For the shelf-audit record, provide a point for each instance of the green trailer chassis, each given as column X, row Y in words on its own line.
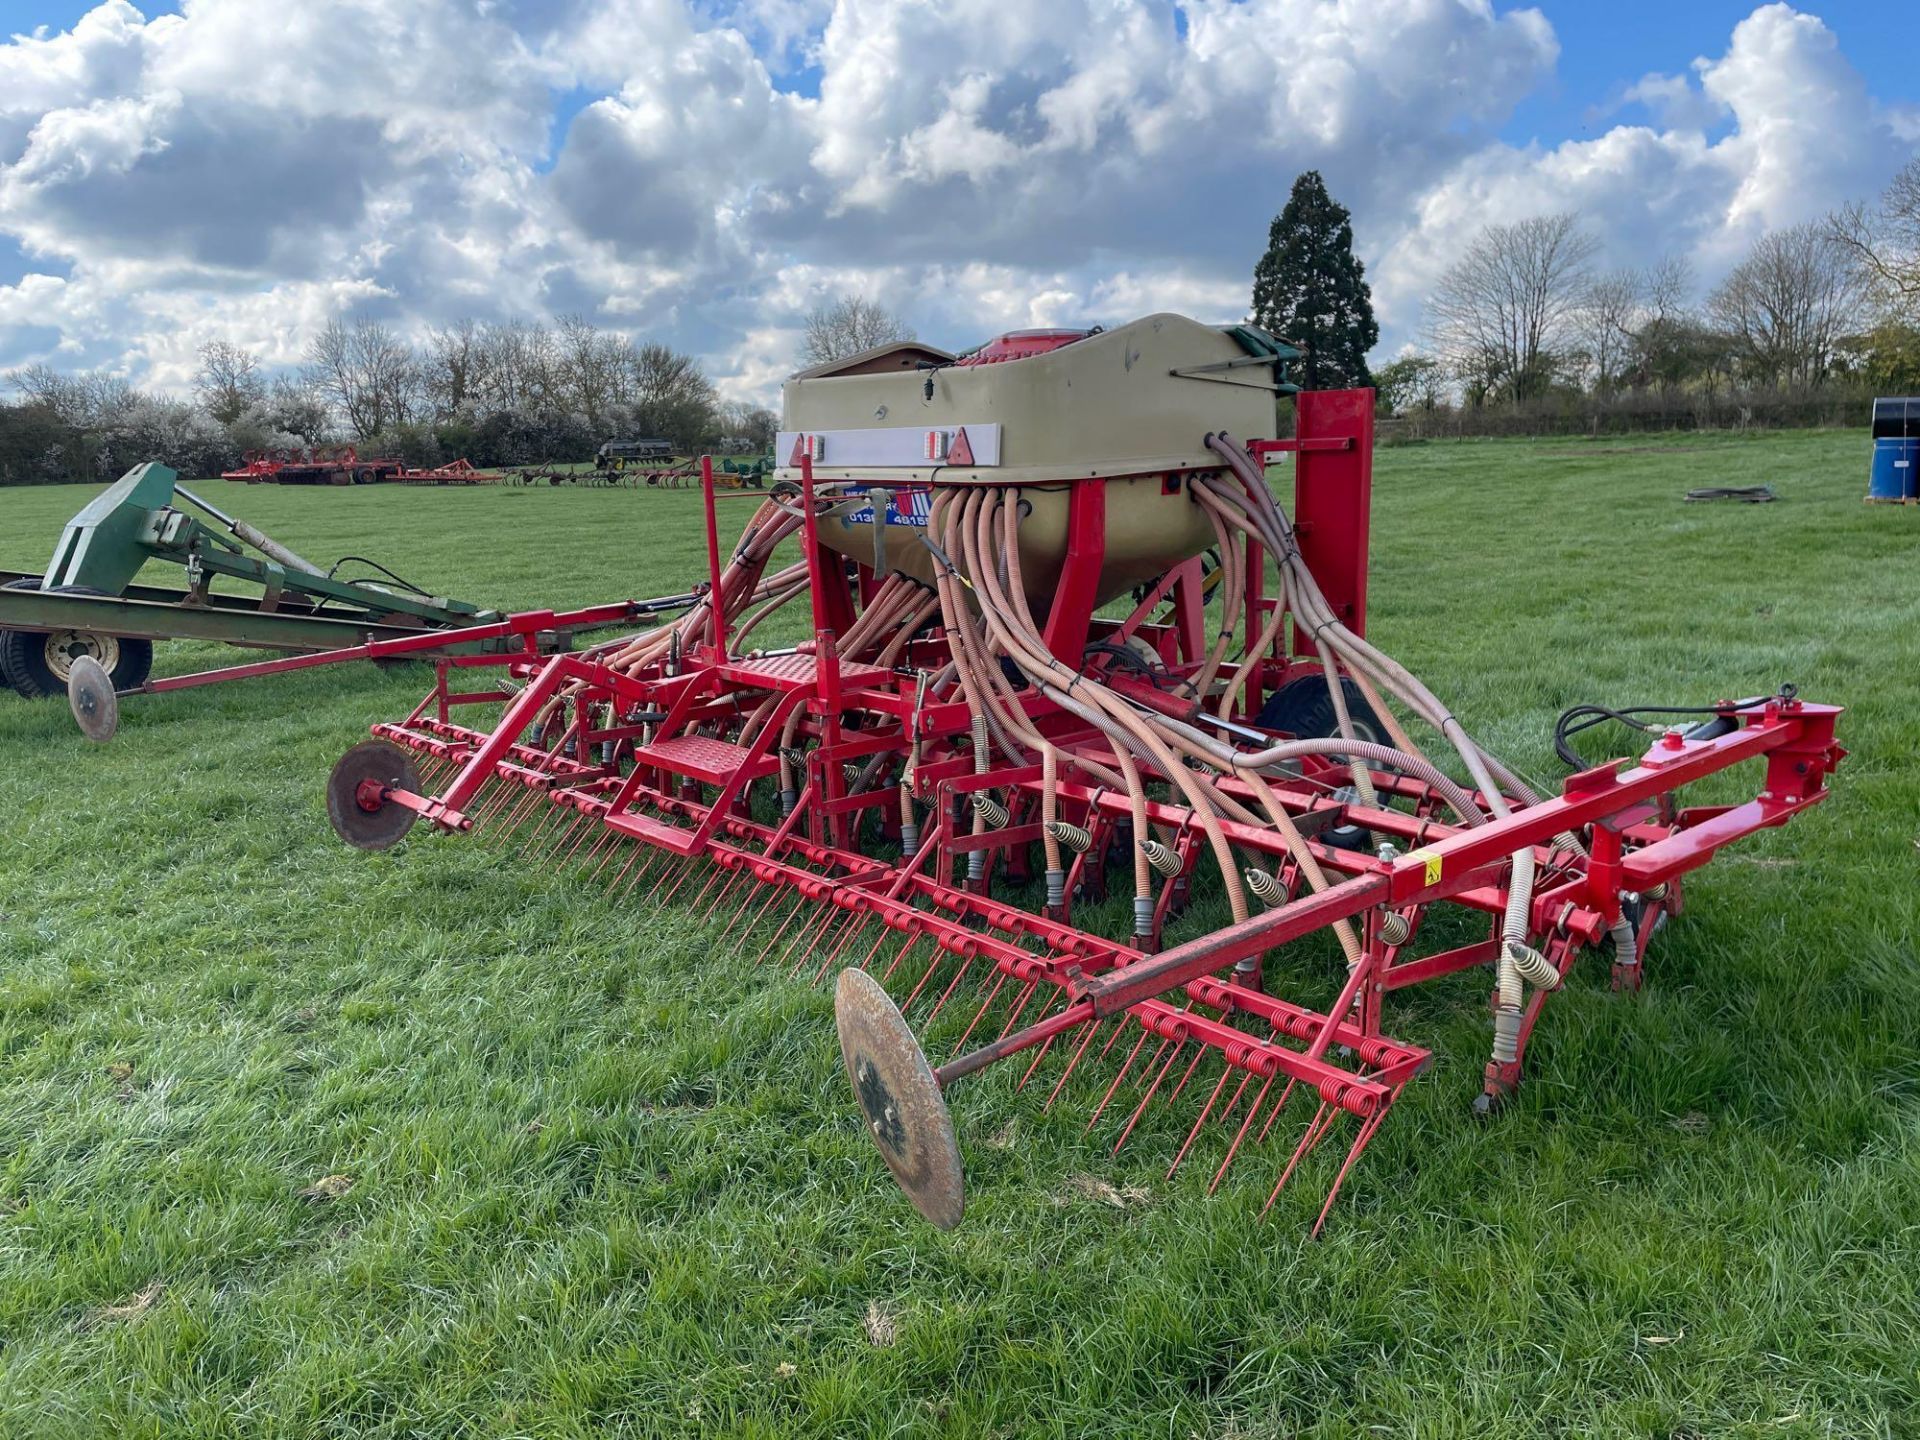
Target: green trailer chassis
column 86, row 613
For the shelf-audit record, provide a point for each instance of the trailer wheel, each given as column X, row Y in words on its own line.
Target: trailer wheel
column 1303, row 708
column 40, row 665
column 26, row 582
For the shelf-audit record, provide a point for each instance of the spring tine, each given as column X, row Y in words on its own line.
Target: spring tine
column 639, row 863
column 1316, row 1127
column 649, row 866
column 1285, row 1093
column 939, row 959
column 593, row 849
column 1132, row 1055
column 687, row 872
column 913, row 939
column 719, row 873
column 613, row 881
column 1018, row 1006
column 1147, row 1099
column 1241, row 1134
column 813, row 925
column 604, row 849
column 499, row 792
column 999, row 979
column 776, row 897
column 720, row 901
column 800, row 909
column 856, row 931
column 1333, row 1117
column 1045, row 1046
column 572, row 833
column 557, row 840
column 522, row 808
column 847, row 934
column 879, row 940
column 819, row 939
column 549, row 841
column 1059, row 1084
column 1206, row 1110
column 1360, row 1143
column 611, row 851
column 593, row 829
column 1038, row 1055
column 1188, row 1075
column 1233, row 1100
column 1118, row 1031
column 807, row 935
column 853, row 924
column 532, row 841
column 741, row 922
column 966, row 964
column 514, row 816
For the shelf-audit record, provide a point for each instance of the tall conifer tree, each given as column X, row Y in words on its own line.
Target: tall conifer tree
column 1310, row 289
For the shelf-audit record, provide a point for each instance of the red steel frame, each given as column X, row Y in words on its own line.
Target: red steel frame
column 651, row 758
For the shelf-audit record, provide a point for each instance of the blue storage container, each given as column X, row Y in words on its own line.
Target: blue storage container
column 1896, row 450
column 1896, row 464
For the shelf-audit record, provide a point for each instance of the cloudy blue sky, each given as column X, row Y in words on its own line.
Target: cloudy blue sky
column 705, row 171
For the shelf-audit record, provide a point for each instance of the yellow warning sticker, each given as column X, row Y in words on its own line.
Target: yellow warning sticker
column 1432, row 860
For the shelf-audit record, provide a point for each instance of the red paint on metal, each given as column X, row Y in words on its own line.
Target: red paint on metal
column 679, row 780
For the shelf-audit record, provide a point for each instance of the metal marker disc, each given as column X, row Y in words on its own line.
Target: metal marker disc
column 371, row 829
column 900, row 1101
column 96, row 709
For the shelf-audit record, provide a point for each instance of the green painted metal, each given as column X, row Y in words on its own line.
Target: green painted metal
column 104, row 546
column 151, row 619
column 133, row 521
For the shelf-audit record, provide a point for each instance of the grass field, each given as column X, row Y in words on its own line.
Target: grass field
column 606, row 1177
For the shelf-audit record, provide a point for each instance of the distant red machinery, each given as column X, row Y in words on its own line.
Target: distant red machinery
column 1036, row 751
column 456, row 472
column 342, row 465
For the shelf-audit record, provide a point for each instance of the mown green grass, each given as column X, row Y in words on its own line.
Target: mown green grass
column 607, row 1178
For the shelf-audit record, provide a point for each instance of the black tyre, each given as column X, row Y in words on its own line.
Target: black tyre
column 1303, row 708
column 6, row 636
column 39, row 665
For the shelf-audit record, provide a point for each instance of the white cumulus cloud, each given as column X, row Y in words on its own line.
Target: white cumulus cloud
column 704, row 171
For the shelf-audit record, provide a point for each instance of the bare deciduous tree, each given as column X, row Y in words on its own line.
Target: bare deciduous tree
column 1504, row 315
column 522, row 367
column 229, row 380
column 597, row 367
column 672, row 396
column 454, row 368
column 1884, row 240
column 753, row 425
column 368, row 372
column 1787, row 306
column 847, row 326
column 297, row 408
column 1608, row 316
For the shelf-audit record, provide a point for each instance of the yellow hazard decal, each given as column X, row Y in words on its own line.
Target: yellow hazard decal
column 1431, row 858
